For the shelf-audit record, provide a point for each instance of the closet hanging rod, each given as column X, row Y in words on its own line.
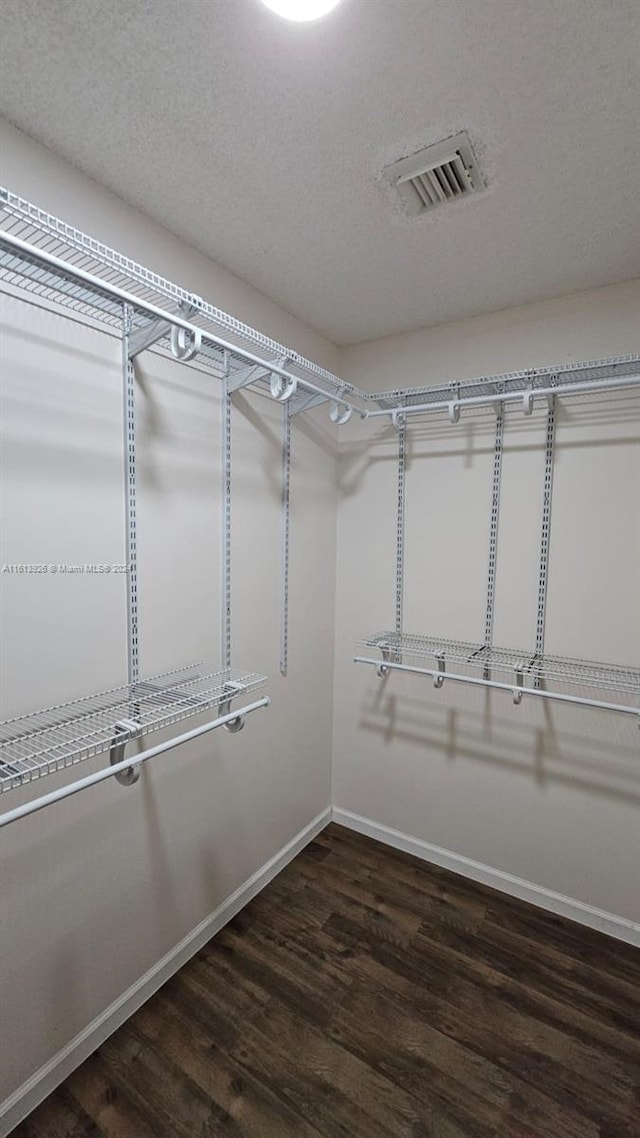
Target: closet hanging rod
column 128, row 764
column 8, row 240
column 524, row 397
column 517, row 690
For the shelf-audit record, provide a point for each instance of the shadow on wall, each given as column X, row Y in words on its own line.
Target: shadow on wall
column 542, row 751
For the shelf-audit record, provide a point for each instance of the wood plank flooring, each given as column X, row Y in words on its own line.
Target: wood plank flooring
column 365, row 994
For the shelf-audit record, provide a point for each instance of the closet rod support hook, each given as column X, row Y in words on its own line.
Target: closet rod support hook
column 340, row 415
column 127, row 729
column 185, row 344
column 282, row 389
column 233, row 725
column 517, row 694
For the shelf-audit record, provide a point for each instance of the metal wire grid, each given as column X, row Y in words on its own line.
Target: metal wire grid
column 557, row 669
column 37, row 744
column 19, row 270
column 610, row 368
column 41, row 229
column 48, row 233
column 26, row 273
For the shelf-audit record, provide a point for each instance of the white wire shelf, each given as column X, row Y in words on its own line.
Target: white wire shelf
column 51, row 236
column 591, row 372
column 506, row 661
column 47, row 233
column 42, row 742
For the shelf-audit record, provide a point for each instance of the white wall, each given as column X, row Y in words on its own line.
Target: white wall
column 581, row 326
column 543, row 792
column 97, row 889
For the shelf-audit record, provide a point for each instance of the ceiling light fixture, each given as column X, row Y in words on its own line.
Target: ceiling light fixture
column 301, row 10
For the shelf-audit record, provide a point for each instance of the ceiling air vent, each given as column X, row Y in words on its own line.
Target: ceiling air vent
column 439, row 174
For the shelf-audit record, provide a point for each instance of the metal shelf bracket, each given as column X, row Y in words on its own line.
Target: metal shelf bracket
column 297, row 406
column 382, row 669
column 130, row 730
column 231, row 690
column 517, row 691
column 143, row 338
column 245, row 376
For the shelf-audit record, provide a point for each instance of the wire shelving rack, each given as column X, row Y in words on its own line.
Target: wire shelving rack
column 476, row 657
column 41, row 743
column 47, row 258
column 231, row 348
column 238, row 344
column 572, row 379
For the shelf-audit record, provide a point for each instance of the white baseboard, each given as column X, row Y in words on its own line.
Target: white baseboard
column 27, row 1097
column 578, row 911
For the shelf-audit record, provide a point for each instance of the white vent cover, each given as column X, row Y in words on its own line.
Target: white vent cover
column 439, row 174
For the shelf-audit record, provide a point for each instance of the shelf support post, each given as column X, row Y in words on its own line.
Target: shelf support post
column 286, row 527
column 493, row 529
column 545, row 533
column 400, row 526
column 131, row 525
column 226, row 520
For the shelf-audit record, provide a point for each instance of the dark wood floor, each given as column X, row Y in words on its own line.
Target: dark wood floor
column 365, row 994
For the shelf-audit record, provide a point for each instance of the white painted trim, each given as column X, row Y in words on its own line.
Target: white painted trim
column 583, row 914
column 32, row 1092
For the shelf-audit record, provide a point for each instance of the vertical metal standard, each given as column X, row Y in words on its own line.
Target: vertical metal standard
column 545, row 531
column 493, row 529
column 226, row 525
column 286, row 523
column 131, row 529
column 402, row 467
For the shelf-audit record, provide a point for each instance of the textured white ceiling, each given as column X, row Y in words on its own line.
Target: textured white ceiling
column 261, row 142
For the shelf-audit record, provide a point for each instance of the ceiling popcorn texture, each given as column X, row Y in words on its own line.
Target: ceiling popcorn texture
column 263, row 142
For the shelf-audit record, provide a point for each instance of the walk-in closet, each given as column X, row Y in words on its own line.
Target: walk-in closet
column 319, row 569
